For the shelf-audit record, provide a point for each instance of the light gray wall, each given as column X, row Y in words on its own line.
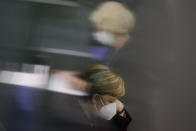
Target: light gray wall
column 158, row 66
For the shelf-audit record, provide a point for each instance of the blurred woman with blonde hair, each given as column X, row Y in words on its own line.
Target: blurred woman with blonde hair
column 112, row 23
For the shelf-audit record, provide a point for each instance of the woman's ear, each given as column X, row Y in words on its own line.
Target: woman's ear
column 95, row 98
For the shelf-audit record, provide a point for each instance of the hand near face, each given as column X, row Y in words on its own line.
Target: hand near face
column 119, row 105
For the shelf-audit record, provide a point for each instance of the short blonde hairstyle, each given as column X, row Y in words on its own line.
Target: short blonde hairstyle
column 113, row 17
column 104, row 81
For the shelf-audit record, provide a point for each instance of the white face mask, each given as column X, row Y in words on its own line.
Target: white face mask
column 104, row 38
column 108, row 111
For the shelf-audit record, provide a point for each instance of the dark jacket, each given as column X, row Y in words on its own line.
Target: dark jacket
column 120, row 122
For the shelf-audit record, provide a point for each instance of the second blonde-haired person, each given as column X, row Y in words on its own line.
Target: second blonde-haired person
column 112, row 23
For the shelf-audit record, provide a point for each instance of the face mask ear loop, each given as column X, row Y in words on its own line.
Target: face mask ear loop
column 101, row 100
column 95, row 105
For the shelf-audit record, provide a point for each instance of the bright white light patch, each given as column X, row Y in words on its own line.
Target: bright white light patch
column 23, row 79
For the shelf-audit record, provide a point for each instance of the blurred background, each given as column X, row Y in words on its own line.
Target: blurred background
column 158, row 63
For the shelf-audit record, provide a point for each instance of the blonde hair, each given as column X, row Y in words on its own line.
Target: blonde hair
column 113, row 17
column 104, row 81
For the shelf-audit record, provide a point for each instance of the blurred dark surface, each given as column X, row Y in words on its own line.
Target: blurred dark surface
column 29, row 26
column 25, row 108
column 158, row 64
